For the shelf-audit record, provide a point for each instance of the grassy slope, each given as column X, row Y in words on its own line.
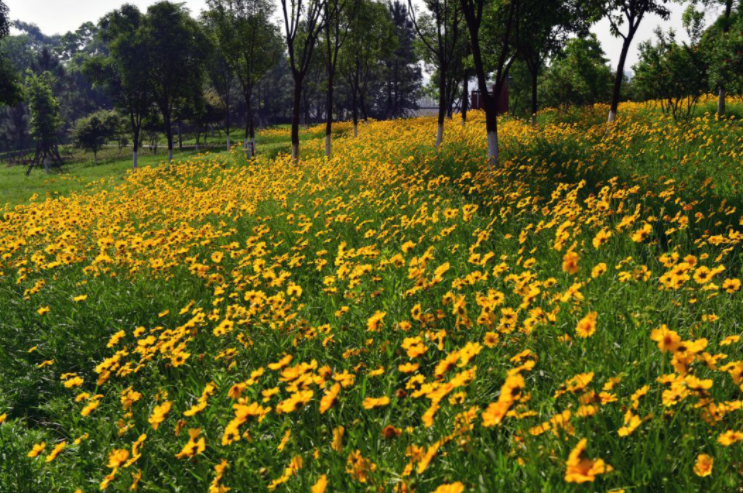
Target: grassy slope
column 386, row 189
column 17, row 188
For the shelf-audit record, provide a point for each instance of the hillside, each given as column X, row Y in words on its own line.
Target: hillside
column 395, row 318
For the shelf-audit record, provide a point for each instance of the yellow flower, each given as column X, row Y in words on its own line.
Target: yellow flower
column 159, row 413
column 37, row 449
column 587, row 325
column 570, row 262
column 194, row 446
column 457, row 487
column 80, row 298
column 56, row 451
column 375, row 402
column 217, row 257
column 703, row 466
column 581, row 469
column 372, row 325
column 43, row 310
column 729, row 437
column 668, row 340
column 320, row 485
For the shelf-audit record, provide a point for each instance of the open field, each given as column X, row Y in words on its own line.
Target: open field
column 396, row 318
column 81, row 173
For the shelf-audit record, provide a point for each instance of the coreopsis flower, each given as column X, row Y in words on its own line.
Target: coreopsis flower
column 457, row 487
column 668, row 340
column 195, row 445
column 37, row 449
column 587, row 325
column 56, row 451
column 159, row 413
column 729, row 438
column 580, row 468
column 570, row 262
column 320, row 485
column 375, row 402
column 703, row 466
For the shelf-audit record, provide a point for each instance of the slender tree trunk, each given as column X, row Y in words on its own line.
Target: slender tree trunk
column 46, row 162
column 227, row 127
column 465, row 98
column 491, row 128
column 329, row 116
column 180, row 137
column 95, row 158
column 135, row 164
column 616, row 93
column 296, row 116
column 442, row 105
column 721, row 103
column 169, row 135
column 249, row 145
column 534, row 101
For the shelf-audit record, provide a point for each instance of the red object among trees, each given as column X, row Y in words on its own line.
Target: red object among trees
column 476, row 102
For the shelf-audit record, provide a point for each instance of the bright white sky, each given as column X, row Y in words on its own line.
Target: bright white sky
column 60, row 16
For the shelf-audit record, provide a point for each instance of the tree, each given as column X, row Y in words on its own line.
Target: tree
column 93, row 131
column 338, row 18
column 544, row 32
column 10, row 87
column 176, row 51
column 632, row 12
column 439, row 33
column 251, row 45
column 121, row 72
column 717, row 38
column 673, row 73
column 402, row 73
column 501, row 29
column 45, row 120
column 579, row 75
column 371, row 39
column 303, row 22
column 221, row 73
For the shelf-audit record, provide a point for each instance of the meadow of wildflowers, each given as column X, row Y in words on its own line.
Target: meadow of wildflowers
column 395, row 318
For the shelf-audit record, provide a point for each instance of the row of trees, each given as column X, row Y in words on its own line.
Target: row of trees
column 164, row 69
column 163, row 66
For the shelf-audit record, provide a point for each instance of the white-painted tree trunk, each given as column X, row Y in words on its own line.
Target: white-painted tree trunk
column 248, row 150
column 612, row 116
column 493, row 148
column 533, row 120
column 229, row 143
column 439, row 134
column 721, row 103
column 328, row 146
column 46, row 163
column 355, row 129
column 134, row 160
column 295, row 152
column 170, row 155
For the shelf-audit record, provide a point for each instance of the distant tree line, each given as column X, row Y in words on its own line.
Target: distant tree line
column 137, row 75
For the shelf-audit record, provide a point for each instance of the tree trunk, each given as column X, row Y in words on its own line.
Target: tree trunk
column 227, row 127
column 465, row 98
column 295, row 117
column 329, row 116
column 534, row 101
column 249, row 145
column 169, row 135
column 95, row 158
column 721, row 103
column 491, row 127
column 442, row 105
column 616, row 93
column 180, row 137
column 46, row 162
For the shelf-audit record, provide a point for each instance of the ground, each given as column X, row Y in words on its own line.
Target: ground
column 396, row 318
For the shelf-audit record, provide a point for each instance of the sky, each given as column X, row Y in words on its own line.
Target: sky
column 60, row 16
